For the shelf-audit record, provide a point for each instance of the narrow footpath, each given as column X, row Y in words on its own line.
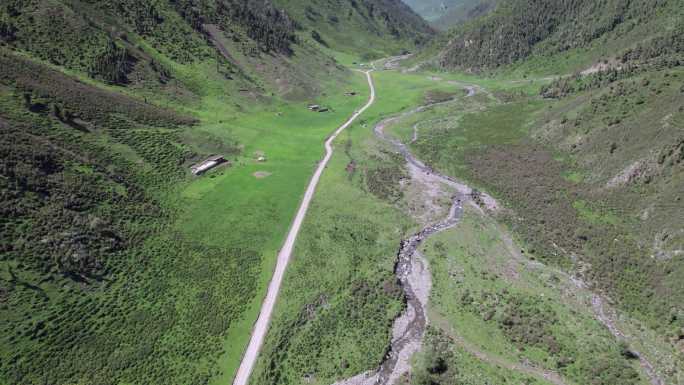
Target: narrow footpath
column 261, row 325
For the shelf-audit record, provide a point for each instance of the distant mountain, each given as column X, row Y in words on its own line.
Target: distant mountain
column 432, row 10
column 443, row 14
column 464, row 11
column 359, row 26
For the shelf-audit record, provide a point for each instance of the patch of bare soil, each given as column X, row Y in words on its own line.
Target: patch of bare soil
column 261, row 174
column 640, row 170
column 427, row 200
column 602, row 66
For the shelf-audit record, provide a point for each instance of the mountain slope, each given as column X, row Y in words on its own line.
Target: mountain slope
column 372, row 28
column 432, row 10
column 590, row 165
column 110, row 248
column 463, row 13
column 448, row 13
column 554, row 28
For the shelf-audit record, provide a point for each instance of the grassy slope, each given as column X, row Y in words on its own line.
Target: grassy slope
column 257, row 212
column 205, row 278
column 369, row 29
column 557, row 38
column 177, row 301
column 185, row 274
column 606, row 211
column 516, row 311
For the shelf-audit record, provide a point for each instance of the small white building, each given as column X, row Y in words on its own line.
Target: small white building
column 207, row 164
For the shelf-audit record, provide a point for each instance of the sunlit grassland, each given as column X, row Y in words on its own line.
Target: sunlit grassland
column 503, row 82
column 230, row 207
column 467, row 127
column 398, row 92
column 440, row 352
column 338, row 299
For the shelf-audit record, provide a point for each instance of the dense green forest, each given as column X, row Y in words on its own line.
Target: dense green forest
column 554, row 28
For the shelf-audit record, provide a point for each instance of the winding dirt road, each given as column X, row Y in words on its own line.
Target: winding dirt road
column 261, row 325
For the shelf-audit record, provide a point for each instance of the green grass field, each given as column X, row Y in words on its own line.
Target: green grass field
column 190, row 288
column 232, row 207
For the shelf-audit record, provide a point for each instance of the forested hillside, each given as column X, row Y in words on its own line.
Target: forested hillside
column 108, row 39
column 520, row 29
column 104, row 105
column 93, row 36
column 369, row 27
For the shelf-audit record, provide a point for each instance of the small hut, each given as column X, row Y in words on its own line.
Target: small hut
column 207, row 164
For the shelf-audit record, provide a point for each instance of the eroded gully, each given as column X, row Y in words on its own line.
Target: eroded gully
column 411, row 268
